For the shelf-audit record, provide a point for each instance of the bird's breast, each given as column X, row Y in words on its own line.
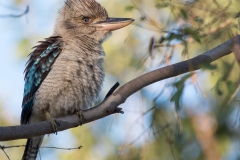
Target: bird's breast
column 73, row 84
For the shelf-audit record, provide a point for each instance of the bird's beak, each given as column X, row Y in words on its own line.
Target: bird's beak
column 111, row 24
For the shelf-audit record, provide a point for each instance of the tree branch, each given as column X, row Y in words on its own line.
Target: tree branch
column 110, row 105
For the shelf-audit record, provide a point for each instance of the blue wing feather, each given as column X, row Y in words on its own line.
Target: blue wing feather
column 26, row 111
column 38, row 67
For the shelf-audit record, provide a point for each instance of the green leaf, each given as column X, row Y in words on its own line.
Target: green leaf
column 179, row 85
column 184, row 13
column 129, row 8
column 198, row 20
column 227, row 67
column 195, row 36
column 193, row 33
column 172, row 36
column 176, row 99
column 162, row 39
column 231, row 87
column 185, row 50
column 162, row 5
column 219, row 91
column 209, row 66
column 188, row 30
column 218, row 87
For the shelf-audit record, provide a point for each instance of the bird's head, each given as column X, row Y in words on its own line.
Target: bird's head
column 87, row 17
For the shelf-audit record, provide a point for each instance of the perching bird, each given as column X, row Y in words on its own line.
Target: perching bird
column 64, row 73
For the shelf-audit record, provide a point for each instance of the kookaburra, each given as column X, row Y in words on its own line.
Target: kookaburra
column 64, row 73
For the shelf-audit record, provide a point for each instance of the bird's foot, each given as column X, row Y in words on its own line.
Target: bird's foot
column 53, row 122
column 81, row 117
column 119, row 110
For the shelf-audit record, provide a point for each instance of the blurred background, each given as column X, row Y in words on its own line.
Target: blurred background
column 194, row 116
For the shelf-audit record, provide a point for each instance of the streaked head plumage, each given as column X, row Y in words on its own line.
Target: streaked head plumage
column 76, row 17
column 89, row 8
column 87, row 17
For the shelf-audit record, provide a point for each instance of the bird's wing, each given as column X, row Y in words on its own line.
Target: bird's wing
column 38, row 67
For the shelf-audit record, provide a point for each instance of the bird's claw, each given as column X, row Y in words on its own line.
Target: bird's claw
column 53, row 122
column 119, row 110
column 81, row 117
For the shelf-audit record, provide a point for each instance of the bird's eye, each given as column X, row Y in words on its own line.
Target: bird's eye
column 86, row 19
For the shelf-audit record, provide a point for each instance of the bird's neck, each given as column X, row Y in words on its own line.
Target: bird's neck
column 82, row 48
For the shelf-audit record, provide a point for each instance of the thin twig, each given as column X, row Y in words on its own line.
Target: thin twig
column 6, row 154
column 76, row 148
column 16, row 15
column 7, row 147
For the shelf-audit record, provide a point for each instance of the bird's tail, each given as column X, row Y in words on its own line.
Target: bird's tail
column 32, row 147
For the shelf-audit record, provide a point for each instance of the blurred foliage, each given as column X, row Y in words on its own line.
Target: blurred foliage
column 179, row 86
column 24, row 47
column 196, row 115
